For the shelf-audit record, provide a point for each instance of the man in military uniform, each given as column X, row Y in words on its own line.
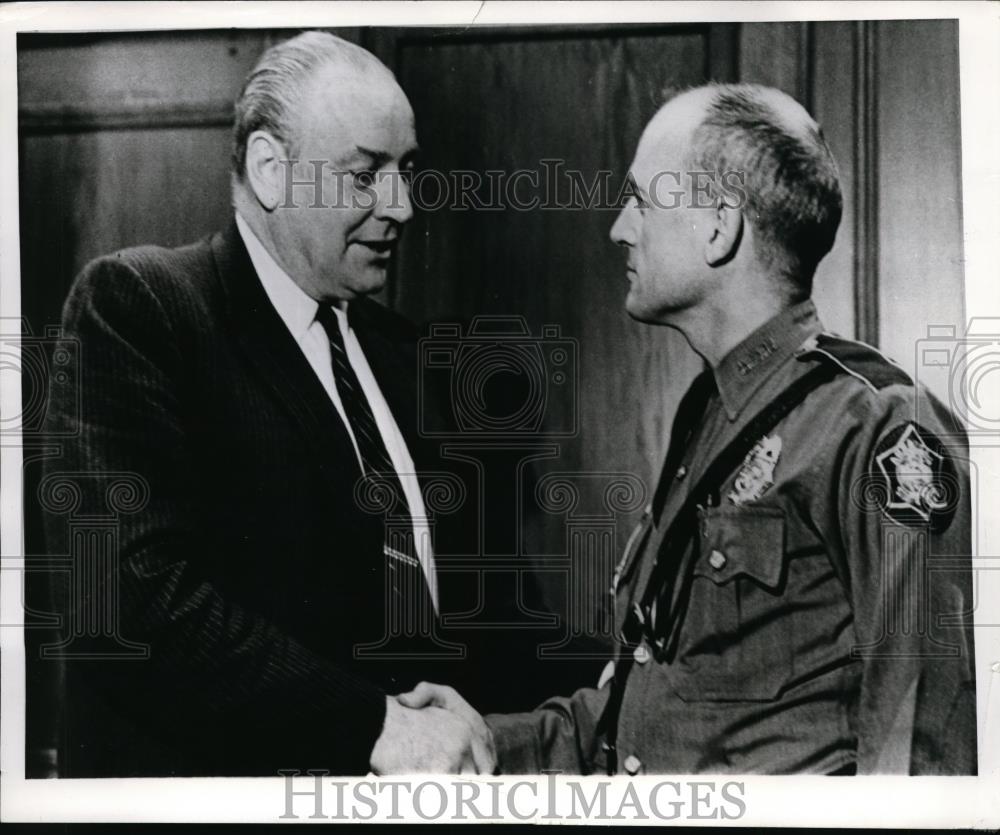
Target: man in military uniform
column 797, row 598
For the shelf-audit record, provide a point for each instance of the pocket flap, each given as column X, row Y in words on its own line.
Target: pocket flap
column 742, row 541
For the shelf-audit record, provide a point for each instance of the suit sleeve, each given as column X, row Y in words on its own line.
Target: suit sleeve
column 560, row 735
column 904, row 509
column 216, row 673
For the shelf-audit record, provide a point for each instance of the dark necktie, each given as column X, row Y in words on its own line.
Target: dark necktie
column 690, row 413
column 689, row 417
column 410, row 609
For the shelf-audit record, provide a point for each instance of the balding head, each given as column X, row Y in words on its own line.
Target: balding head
column 734, row 200
column 673, row 126
column 789, row 176
column 289, row 75
column 776, row 152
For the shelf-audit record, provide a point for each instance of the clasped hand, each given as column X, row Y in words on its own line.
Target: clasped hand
column 432, row 729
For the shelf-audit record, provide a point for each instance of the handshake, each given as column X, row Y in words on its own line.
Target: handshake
column 432, row 729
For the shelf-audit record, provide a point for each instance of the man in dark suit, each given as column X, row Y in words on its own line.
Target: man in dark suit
column 262, row 412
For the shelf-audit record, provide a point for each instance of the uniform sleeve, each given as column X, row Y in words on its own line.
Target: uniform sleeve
column 904, row 508
column 560, row 735
column 217, row 674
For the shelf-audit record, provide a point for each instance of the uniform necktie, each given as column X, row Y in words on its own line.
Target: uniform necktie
column 690, row 413
column 410, row 609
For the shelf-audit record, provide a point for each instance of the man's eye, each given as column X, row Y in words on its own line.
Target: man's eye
column 364, row 179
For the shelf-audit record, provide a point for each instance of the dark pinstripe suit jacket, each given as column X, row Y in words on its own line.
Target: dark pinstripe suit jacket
column 247, row 569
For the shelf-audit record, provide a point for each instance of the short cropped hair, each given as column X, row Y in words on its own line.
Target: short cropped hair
column 273, row 90
column 791, row 181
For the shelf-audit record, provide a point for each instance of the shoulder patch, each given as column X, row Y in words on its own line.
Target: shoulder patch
column 914, row 479
column 859, row 360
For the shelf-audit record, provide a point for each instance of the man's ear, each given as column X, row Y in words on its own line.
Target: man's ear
column 726, row 235
column 264, row 169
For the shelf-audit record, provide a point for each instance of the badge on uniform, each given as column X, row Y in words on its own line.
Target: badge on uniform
column 918, row 485
column 757, row 472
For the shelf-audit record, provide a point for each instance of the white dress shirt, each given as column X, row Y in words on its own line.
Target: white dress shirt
column 298, row 311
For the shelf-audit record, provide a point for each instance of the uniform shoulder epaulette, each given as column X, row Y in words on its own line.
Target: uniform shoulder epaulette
column 861, row 361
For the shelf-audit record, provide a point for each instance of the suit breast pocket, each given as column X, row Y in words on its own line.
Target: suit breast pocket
column 736, row 642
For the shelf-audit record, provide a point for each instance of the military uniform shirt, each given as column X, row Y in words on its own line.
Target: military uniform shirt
column 827, row 621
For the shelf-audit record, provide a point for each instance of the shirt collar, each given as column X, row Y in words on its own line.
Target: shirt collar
column 296, row 308
column 745, row 368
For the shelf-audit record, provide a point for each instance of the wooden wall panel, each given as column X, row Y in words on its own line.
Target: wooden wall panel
column 124, row 140
column 833, row 107
column 583, row 101
column 87, row 194
column 921, row 268
column 65, row 79
column 778, row 55
column 886, row 95
column 814, row 63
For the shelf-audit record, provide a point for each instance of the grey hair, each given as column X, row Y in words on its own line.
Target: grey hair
column 276, row 84
column 791, row 182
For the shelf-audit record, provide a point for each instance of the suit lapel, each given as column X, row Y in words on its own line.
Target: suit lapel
column 273, row 352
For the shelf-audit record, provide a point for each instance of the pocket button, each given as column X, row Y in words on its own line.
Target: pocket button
column 717, row 560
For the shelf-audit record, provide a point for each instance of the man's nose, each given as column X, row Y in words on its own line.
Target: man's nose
column 394, row 198
column 621, row 232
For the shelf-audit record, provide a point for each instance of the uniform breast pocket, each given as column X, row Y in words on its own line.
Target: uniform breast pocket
column 735, row 642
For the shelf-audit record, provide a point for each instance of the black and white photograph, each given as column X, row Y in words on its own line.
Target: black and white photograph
column 477, row 401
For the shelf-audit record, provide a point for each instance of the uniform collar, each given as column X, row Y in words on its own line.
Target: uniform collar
column 744, row 369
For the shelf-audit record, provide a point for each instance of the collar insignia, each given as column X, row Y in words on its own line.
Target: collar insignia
column 756, row 355
column 757, row 472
